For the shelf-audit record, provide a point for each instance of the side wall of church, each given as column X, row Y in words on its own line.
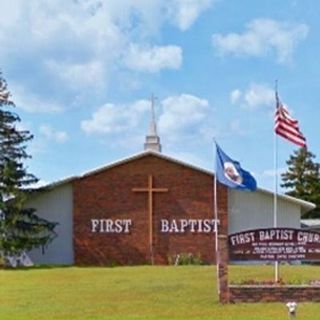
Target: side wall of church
column 107, row 196
column 55, row 205
column 254, row 210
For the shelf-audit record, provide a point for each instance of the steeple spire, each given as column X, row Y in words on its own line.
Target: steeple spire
column 152, row 139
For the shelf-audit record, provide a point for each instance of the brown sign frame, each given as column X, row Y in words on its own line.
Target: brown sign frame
column 274, row 244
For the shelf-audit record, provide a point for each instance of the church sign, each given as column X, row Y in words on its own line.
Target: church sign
column 274, row 244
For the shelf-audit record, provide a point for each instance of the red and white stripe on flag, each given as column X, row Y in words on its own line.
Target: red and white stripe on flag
column 287, row 127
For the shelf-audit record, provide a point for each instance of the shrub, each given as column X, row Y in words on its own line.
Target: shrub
column 182, row 259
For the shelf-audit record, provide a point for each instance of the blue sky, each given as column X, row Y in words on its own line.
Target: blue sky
column 81, row 73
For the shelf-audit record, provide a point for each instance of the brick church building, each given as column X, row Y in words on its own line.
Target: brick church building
column 148, row 209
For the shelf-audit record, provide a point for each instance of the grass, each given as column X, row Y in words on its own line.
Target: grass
column 145, row 292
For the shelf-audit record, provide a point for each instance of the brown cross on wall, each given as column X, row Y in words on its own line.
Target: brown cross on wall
column 150, row 190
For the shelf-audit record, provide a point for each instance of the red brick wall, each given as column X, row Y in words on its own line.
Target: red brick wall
column 108, row 195
column 274, row 294
column 223, row 284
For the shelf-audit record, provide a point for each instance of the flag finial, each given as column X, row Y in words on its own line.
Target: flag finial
column 276, row 93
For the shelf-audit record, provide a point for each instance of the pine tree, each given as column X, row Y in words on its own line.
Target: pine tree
column 303, row 179
column 20, row 228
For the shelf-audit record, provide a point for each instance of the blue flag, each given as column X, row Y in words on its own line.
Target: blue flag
column 230, row 173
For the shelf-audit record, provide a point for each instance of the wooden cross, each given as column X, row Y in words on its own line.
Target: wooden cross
column 150, row 189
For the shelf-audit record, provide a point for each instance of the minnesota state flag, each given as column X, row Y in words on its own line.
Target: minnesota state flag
column 230, row 173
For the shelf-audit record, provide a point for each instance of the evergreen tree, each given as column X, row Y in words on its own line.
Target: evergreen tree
column 303, row 179
column 20, row 228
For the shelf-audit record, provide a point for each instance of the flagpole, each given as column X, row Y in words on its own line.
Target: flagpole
column 230, row 174
column 216, row 232
column 275, row 199
column 215, row 201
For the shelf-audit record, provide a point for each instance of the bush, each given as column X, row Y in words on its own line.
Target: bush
column 2, row 262
column 183, row 259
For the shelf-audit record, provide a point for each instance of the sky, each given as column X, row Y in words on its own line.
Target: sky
column 81, row 73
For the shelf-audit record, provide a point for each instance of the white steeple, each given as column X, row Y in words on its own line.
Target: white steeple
column 152, row 139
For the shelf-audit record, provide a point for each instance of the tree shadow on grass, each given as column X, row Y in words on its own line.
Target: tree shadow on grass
column 37, row 267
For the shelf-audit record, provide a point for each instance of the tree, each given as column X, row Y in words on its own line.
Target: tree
column 20, row 228
column 303, row 179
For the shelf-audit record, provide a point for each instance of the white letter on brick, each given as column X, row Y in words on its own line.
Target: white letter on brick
column 164, row 225
column 94, row 225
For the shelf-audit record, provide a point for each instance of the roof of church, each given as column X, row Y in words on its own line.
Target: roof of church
column 310, row 223
column 305, row 204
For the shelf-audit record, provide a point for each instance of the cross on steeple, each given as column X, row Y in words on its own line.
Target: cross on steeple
column 153, row 101
column 152, row 139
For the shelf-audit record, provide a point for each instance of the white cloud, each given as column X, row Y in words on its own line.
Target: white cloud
column 181, row 118
column 53, row 135
column 12, row 10
column 183, row 114
column 273, row 172
column 235, row 95
column 259, row 95
column 71, row 47
column 237, row 128
column 256, row 96
column 261, row 37
column 78, row 75
column 185, row 12
column 111, row 118
column 153, row 59
column 32, row 103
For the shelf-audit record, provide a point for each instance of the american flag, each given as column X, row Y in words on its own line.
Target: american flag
column 286, row 126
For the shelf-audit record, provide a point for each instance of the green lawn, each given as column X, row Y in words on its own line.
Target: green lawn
column 138, row 293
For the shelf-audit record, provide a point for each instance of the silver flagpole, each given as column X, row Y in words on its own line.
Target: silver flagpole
column 275, row 199
column 216, row 231
column 215, row 200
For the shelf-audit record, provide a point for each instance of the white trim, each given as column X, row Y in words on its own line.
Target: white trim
column 141, row 155
column 311, row 223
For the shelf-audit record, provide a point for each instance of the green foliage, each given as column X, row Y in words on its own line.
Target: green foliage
column 302, row 179
column 183, row 259
column 20, row 228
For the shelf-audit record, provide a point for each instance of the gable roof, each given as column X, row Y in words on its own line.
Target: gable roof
column 124, row 161
column 305, row 205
